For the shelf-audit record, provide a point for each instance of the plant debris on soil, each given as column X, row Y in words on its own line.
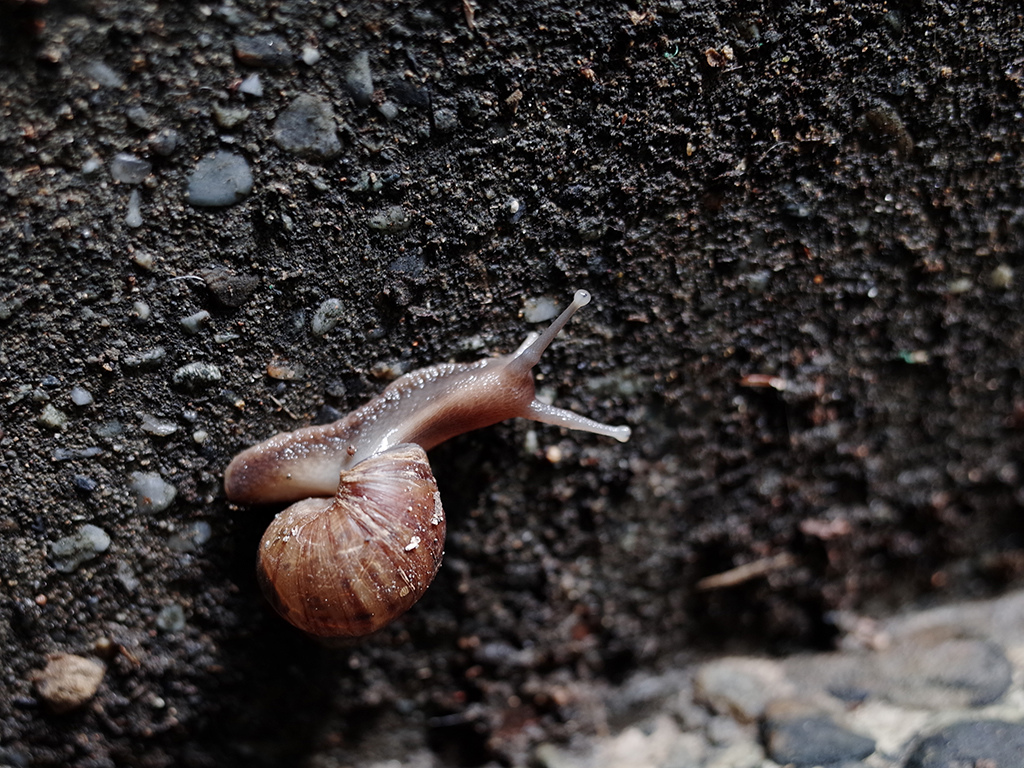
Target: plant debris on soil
column 803, row 227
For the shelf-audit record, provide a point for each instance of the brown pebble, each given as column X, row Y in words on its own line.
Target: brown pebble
column 268, row 51
column 283, row 370
column 888, row 127
column 68, row 681
column 230, row 288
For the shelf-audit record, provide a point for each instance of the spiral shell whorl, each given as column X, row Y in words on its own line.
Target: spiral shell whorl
column 374, row 548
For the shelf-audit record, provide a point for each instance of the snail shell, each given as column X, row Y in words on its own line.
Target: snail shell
column 347, row 566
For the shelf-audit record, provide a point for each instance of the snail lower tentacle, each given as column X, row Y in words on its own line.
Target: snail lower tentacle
column 365, row 536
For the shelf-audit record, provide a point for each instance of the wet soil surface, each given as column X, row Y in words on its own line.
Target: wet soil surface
column 803, row 225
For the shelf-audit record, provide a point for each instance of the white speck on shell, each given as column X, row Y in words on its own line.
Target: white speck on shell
column 413, row 543
column 438, row 516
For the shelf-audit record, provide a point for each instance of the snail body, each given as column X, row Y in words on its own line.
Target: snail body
column 365, row 537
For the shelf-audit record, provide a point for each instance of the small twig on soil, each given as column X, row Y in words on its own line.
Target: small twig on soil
column 285, row 408
column 746, row 572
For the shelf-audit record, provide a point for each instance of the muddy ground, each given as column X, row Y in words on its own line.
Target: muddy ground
column 803, row 225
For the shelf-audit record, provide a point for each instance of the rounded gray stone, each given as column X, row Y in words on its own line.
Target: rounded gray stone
column 972, row 743
column 129, row 169
column 327, row 316
column 219, row 180
column 393, row 219
column 307, row 128
column 445, row 120
column 164, row 142
column 171, row 618
column 71, row 551
column 813, row 740
column 152, row 493
column 196, row 376
column 359, row 79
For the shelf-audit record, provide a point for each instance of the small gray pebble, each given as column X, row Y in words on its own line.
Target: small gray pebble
column 336, row 389
column 268, row 51
column 813, row 740
column 445, row 120
column 150, row 358
column 123, row 573
column 171, row 618
column 196, row 376
column 230, row 14
column 157, row 427
column 190, row 537
column 144, row 259
column 1001, row 277
column 108, row 429
column 84, row 483
column 71, row 551
column 230, row 117
column 53, row 418
column 962, row 285
column 141, row 118
column 307, row 128
column 388, row 110
column 394, row 219
column 194, row 322
column 948, row 673
column 219, row 180
column 64, row 454
column 152, row 492
column 538, row 309
column 133, row 218
column 367, row 182
column 327, row 316
column 164, row 142
column 310, row 55
column 758, row 281
column 251, row 86
column 129, row 169
column 81, row 397
column 972, row 743
column 359, row 79
column 101, row 73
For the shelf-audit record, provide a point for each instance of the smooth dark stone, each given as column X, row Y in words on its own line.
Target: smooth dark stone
column 813, row 740
column 993, row 743
column 268, row 51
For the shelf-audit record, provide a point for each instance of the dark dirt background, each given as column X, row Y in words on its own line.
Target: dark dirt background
column 829, row 193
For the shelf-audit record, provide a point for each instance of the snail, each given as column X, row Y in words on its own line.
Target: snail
column 365, row 536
